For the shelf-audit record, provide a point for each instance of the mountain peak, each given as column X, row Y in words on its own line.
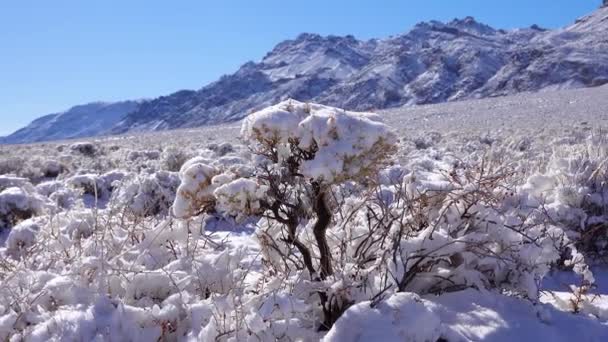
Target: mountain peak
column 456, row 26
column 466, row 21
column 308, row 37
column 471, row 25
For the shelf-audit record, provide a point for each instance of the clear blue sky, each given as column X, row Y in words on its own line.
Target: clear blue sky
column 55, row 54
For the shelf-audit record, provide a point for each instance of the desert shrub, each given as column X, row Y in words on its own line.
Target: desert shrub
column 87, row 149
column 221, row 149
column 13, row 181
column 18, row 201
column 20, row 238
column 148, row 195
column 97, row 188
column 61, row 195
column 173, row 158
column 11, row 165
column 426, row 141
column 52, row 168
column 573, row 192
column 334, row 213
column 347, row 236
column 144, row 155
column 40, row 169
column 195, row 193
column 303, row 151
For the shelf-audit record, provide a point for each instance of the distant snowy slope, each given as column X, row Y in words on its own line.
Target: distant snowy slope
column 79, row 121
column 434, row 62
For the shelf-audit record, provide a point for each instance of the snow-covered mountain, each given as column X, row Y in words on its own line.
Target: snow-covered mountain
column 79, row 121
column 434, row 62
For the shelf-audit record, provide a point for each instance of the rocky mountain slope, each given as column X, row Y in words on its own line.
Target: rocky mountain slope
column 79, row 121
column 433, row 62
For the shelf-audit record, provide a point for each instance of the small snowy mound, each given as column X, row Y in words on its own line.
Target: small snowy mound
column 85, row 148
column 21, row 237
column 10, row 181
column 240, row 198
column 143, row 155
column 149, row 195
column 97, row 187
column 462, row 316
column 173, row 158
column 402, row 317
column 18, row 204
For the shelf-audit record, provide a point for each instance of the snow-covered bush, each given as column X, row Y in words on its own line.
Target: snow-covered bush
column 149, row 195
column 195, row 193
column 52, row 168
column 573, row 192
column 18, row 203
column 221, row 149
column 241, row 197
column 35, row 169
column 97, row 187
column 426, row 141
column 309, row 227
column 11, row 165
column 87, row 149
column 144, row 155
column 21, row 237
column 303, row 151
column 12, row 181
column 61, row 195
column 444, row 231
column 332, row 214
column 173, row 158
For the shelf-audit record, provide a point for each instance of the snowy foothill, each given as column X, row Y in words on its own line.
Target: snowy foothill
column 317, row 223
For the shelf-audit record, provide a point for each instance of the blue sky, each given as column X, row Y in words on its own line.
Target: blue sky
column 56, row 54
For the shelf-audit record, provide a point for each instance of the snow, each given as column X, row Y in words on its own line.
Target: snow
column 276, row 123
column 21, row 237
column 150, row 194
column 474, row 316
column 462, row 316
column 18, row 203
column 196, row 188
column 240, row 197
column 342, row 156
column 402, row 317
column 346, row 144
column 128, row 267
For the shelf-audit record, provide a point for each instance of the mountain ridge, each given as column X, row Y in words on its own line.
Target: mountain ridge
column 433, row 62
column 79, row 121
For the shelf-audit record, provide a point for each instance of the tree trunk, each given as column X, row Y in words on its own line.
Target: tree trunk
column 320, row 230
column 293, row 239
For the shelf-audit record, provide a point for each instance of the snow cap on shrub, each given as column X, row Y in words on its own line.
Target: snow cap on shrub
column 196, row 190
column 240, row 198
column 342, row 144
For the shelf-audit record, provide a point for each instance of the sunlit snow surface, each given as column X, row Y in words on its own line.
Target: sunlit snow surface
column 126, row 173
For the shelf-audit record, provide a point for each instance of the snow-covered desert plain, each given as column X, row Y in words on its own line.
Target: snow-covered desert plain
column 480, row 220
